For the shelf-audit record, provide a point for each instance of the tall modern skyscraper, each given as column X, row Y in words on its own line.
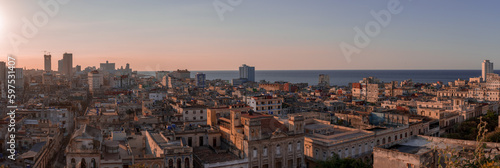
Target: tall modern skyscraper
column 110, row 67
column 68, row 64
column 47, row 62
column 487, row 68
column 247, row 72
column 3, row 71
column 60, row 66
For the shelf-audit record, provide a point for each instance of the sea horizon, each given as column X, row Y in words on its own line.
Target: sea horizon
column 342, row 77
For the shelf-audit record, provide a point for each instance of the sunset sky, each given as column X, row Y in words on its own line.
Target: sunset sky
column 270, row 35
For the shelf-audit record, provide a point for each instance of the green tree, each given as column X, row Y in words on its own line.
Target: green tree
column 336, row 162
column 453, row 158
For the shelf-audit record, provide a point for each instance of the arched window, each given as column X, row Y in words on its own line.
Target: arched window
column 378, row 142
column 83, row 163
column 73, row 163
column 290, row 147
column 254, row 152
column 389, row 140
column 298, row 146
column 186, row 163
column 170, row 163
column 93, row 164
column 383, row 141
column 179, row 162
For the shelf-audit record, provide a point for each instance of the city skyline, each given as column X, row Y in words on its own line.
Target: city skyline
column 191, row 35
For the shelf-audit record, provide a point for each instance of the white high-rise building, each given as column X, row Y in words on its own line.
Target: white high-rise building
column 487, row 68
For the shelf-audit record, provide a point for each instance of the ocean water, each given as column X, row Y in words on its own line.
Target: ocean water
column 343, row 77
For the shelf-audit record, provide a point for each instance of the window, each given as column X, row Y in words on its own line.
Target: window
column 265, row 151
column 201, row 118
column 201, row 111
column 194, row 112
column 186, row 118
column 278, row 150
column 298, row 146
column 194, row 118
column 187, row 112
column 290, row 147
column 254, row 152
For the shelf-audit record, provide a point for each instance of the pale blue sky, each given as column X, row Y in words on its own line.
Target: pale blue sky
column 294, row 34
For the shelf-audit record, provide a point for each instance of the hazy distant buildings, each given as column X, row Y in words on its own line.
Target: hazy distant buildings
column 47, row 78
column 96, row 80
column 200, row 80
column 487, row 68
column 60, row 66
column 247, row 72
column 67, row 66
column 181, row 74
column 161, row 74
column 47, row 62
column 19, row 78
column 3, row 86
column 109, row 67
column 3, row 71
column 78, row 68
column 238, row 81
column 324, row 80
